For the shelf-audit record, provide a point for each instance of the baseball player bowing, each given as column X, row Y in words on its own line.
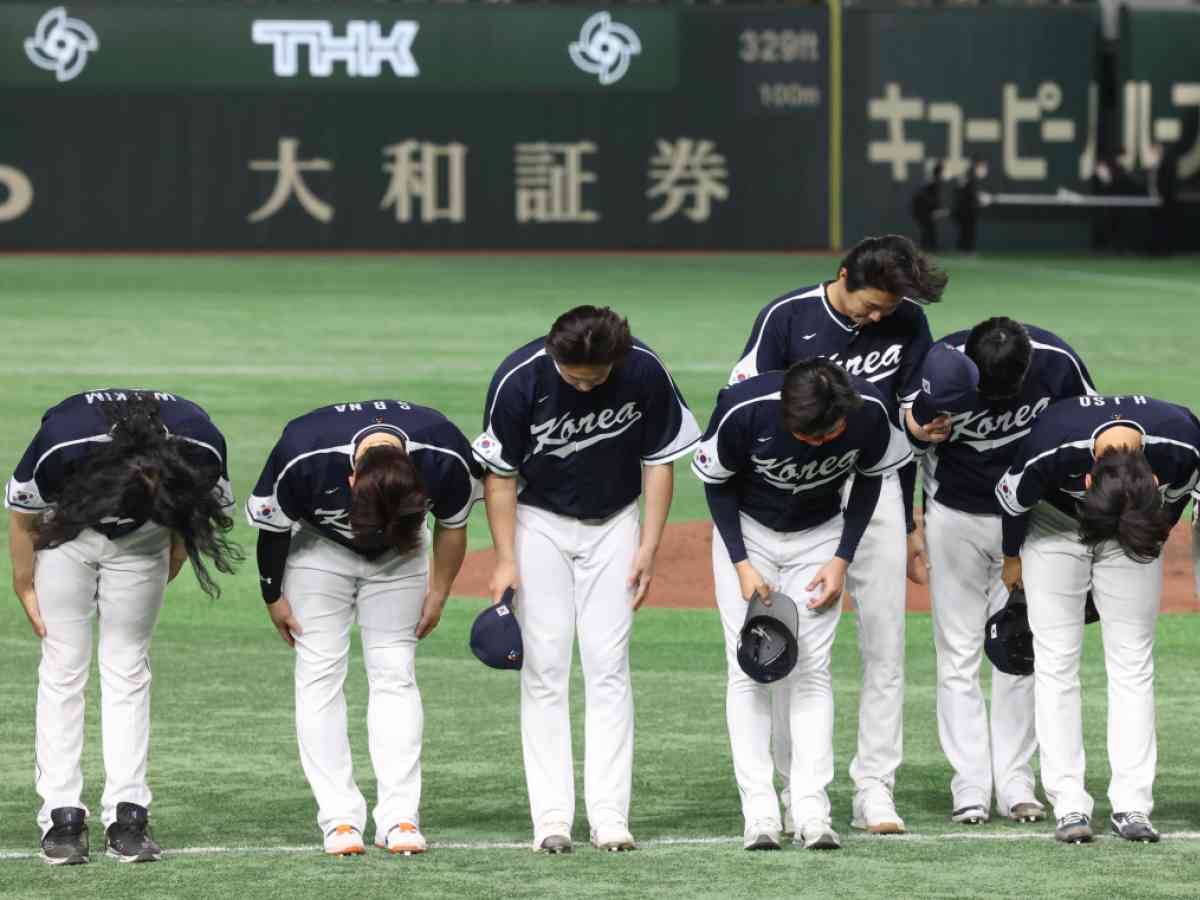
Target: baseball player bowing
column 577, row 425
column 1089, row 501
column 870, row 322
column 994, row 380
column 117, row 490
column 341, row 506
column 777, row 453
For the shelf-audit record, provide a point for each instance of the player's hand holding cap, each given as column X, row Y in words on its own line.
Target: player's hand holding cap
column 949, row 384
column 496, row 636
column 767, row 648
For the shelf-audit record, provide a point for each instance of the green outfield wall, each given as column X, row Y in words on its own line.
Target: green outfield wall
column 384, row 125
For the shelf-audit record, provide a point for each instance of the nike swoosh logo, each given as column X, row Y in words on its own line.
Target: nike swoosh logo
column 763, row 440
column 809, row 337
column 333, row 490
column 543, row 399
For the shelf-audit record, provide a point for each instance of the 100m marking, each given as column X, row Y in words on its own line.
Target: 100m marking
column 788, row 94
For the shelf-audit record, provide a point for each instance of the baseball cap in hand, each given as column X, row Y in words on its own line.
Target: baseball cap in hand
column 1008, row 639
column 767, row 649
column 949, row 383
column 496, row 636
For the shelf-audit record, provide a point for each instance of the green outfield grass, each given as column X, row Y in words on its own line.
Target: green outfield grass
column 260, row 340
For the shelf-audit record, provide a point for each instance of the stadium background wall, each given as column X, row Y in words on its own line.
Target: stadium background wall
column 172, row 133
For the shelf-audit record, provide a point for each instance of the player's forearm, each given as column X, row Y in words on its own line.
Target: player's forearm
column 860, row 506
column 500, row 499
column 658, row 486
column 272, row 554
column 908, row 490
column 723, row 507
column 449, row 550
column 22, row 529
column 1012, row 530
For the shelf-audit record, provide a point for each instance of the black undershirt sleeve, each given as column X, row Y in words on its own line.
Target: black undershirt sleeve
column 273, row 549
column 864, row 495
column 908, row 488
column 1012, row 530
column 723, row 506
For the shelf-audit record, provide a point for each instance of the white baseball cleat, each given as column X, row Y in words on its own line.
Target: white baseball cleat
column 613, row 838
column 762, row 834
column 554, row 838
column 876, row 813
column 403, row 838
column 1027, row 811
column 344, row 840
column 817, row 834
column 974, row 814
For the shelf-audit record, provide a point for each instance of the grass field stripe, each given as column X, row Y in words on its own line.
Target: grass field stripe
column 1100, row 277
column 851, row 837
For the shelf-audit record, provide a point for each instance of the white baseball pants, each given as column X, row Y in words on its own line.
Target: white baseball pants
column 122, row 583
column 329, row 588
column 574, row 579
column 965, row 556
column 877, row 582
column 787, row 561
column 1058, row 570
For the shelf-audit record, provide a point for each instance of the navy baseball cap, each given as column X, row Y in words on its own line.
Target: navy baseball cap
column 767, row 649
column 1008, row 639
column 949, row 384
column 496, row 636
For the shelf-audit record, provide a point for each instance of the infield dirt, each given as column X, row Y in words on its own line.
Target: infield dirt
column 683, row 579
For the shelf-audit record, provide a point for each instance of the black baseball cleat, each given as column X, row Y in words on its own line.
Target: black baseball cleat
column 1074, row 828
column 127, row 838
column 1133, row 826
column 66, row 843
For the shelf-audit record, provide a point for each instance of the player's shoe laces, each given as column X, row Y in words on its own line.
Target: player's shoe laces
column 970, row 815
column 1134, row 826
column 344, row 840
column 1027, row 811
column 404, row 838
column 127, row 839
column 762, row 834
column 554, row 838
column 1074, row 828
column 613, row 838
column 876, row 813
column 66, row 843
column 818, row 835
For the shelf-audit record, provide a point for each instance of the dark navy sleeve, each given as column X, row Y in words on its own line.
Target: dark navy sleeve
column 860, row 506
column 207, row 448
column 452, row 475
column 725, row 446
column 908, row 380
column 272, row 554
column 767, row 347
column 33, row 487
column 504, row 443
column 280, row 498
column 721, row 454
column 1019, row 490
column 670, row 430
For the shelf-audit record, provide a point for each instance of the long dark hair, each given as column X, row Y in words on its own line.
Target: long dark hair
column 893, row 264
column 145, row 474
column 388, row 500
column 1124, row 504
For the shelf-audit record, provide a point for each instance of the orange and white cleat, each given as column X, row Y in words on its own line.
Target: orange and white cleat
column 344, row 840
column 404, row 838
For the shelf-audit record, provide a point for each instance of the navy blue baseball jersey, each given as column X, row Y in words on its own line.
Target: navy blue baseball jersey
column 72, row 429
column 962, row 471
column 1054, row 458
column 306, row 478
column 580, row 453
column 783, row 483
column 803, row 323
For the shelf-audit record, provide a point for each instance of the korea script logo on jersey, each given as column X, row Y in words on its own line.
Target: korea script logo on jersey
column 563, row 432
column 873, row 366
column 976, row 429
column 788, row 475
